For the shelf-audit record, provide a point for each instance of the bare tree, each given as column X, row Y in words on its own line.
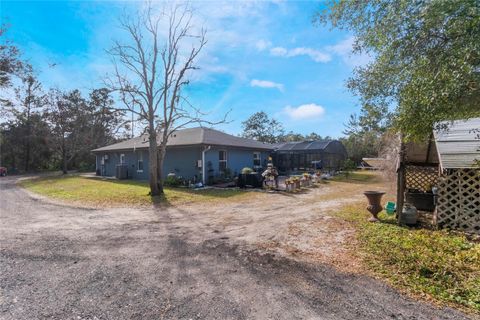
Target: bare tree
column 150, row 72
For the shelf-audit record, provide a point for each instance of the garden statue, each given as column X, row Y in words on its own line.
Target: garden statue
column 269, row 175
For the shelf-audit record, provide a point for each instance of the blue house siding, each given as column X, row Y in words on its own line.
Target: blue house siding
column 130, row 160
column 183, row 161
column 237, row 159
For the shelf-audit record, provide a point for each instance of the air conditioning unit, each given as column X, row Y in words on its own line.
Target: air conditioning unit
column 121, row 171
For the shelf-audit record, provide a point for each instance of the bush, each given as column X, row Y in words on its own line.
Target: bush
column 227, row 173
column 172, row 181
column 247, row 170
column 86, row 166
column 348, row 167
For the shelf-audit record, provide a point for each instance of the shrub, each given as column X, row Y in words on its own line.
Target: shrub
column 227, row 173
column 247, row 170
column 172, row 181
column 348, row 167
column 86, row 167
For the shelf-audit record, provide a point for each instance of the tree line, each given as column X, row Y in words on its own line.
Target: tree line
column 365, row 135
column 50, row 129
column 424, row 69
column 151, row 66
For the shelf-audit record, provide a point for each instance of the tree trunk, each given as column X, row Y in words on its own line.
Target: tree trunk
column 153, row 162
column 28, row 135
column 27, row 154
column 161, row 158
column 160, row 175
column 64, row 158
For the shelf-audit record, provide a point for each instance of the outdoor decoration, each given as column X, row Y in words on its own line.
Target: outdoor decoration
column 270, row 177
column 374, row 206
column 296, row 181
column 289, row 185
column 317, row 176
column 306, row 180
column 292, row 184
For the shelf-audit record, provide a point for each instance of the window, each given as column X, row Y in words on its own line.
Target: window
column 122, row 158
column 222, row 160
column 257, row 162
column 140, row 162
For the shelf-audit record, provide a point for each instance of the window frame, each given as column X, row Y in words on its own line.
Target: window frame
column 259, row 159
column 220, row 161
column 139, row 160
column 122, row 158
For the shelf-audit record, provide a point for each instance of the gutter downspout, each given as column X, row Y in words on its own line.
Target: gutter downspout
column 204, row 179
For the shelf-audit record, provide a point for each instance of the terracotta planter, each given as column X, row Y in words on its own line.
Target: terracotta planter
column 374, row 205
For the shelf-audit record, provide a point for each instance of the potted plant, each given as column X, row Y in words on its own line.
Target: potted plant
column 296, row 181
column 306, row 179
column 289, row 185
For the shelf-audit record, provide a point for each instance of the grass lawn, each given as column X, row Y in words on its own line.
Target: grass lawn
column 436, row 264
column 107, row 192
column 356, row 177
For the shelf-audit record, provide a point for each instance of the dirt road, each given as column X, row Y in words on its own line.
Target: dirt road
column 192, row 262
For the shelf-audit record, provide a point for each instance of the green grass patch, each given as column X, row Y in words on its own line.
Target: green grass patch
column 108, row 192
column 356, row 177
column 436, row 263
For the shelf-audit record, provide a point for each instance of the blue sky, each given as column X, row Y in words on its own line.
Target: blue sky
column 260, row 56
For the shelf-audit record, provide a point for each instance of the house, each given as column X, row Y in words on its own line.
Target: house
column 327, row 155
column 196, row 154
column 443, row 176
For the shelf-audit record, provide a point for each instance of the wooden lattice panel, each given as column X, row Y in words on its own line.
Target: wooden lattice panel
column 458, row 203
column 421, row 178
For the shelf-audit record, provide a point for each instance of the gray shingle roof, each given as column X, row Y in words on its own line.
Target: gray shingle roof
column 192, row 136
column 458, row 146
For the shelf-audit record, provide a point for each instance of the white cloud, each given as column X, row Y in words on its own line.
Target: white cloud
column 279, row 51
column 262, row 44
column 266, row 84
column 315, row 55
column 344, row 49
column 304, row 111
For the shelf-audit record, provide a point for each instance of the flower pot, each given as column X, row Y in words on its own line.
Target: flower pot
column 374, row 205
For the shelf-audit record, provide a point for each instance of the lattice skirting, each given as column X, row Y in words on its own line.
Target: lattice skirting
column 421, row 178
column 458, row 202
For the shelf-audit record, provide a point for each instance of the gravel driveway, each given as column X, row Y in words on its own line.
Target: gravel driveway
column 60, row 262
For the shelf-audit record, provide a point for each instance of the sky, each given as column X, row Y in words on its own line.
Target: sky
column 260, row 56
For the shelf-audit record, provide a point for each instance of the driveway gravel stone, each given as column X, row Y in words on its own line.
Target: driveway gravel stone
column 61, row 262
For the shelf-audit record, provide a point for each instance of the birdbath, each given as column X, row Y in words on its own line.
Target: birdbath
column 374, row 206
